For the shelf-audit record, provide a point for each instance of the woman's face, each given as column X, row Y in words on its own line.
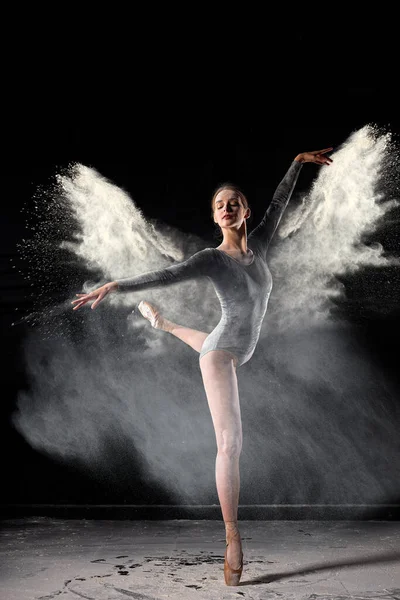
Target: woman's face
column 228, row 210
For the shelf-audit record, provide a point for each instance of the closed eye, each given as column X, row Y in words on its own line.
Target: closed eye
column 235, row 204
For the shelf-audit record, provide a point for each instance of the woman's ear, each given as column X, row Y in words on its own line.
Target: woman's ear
column 247, row 213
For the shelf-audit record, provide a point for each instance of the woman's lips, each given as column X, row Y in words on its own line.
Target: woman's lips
column 228, row 217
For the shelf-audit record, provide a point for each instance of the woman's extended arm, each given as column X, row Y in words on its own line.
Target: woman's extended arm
column 264, row 232
column 193, row 267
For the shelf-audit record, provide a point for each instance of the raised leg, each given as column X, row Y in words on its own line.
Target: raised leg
column 220, row 383
column 192, row 337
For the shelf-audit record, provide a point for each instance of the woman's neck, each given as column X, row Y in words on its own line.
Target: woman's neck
column 243, row 250
column 235, row 241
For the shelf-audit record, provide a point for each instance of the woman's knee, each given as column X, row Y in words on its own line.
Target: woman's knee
column 230, row 442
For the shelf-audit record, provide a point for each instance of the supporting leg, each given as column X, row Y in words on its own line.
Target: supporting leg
column 220, row 383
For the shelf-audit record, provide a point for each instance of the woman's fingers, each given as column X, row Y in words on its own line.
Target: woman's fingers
column 95, row 303
column 76, row 301
column 82, row 302
column 322, row 151
column 317, row 156
column 96, row 295
column 100, row 297
column 83, row 299
column 322, row 160
column 79, row 305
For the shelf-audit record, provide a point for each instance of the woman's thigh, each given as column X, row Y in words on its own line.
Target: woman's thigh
column 220, row 383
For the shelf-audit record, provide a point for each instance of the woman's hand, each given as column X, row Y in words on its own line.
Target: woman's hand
column 97, row 295
column 316, row 157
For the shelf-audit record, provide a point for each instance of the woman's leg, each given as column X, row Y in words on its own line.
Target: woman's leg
column 220, row 383
column 192, row 337
column 218, row 369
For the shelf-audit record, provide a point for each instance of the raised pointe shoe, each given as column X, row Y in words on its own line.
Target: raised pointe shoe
column 149, row 313
column 232, row 576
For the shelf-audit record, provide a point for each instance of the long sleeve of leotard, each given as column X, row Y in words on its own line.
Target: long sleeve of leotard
column 265, row 230
column 195, row 266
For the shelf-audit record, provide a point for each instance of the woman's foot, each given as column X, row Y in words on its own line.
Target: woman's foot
column 233, row 555
column 151, row 314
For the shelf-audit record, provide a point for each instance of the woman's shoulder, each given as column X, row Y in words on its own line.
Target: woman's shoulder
column 201, row 256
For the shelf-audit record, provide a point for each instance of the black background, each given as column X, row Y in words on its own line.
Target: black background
column 168, row 111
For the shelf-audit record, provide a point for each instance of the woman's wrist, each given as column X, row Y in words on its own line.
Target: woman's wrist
column 112, row 286
column 299, row 158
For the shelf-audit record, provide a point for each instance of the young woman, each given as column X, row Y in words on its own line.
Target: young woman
column 243, row 284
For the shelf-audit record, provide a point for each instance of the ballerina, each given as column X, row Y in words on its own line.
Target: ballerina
column 242, row 281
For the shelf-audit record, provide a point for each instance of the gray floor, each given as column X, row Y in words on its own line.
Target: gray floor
column 45, row 558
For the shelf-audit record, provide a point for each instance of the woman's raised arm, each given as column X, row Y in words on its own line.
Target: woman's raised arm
column 264, row 232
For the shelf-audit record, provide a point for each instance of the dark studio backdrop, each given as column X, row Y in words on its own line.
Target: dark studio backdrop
column 168, row 141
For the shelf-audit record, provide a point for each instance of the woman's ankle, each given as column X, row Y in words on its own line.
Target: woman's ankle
column 167, row 325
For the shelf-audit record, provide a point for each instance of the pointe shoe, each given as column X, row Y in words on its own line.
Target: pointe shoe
column 232, row 576
column 149, row 313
